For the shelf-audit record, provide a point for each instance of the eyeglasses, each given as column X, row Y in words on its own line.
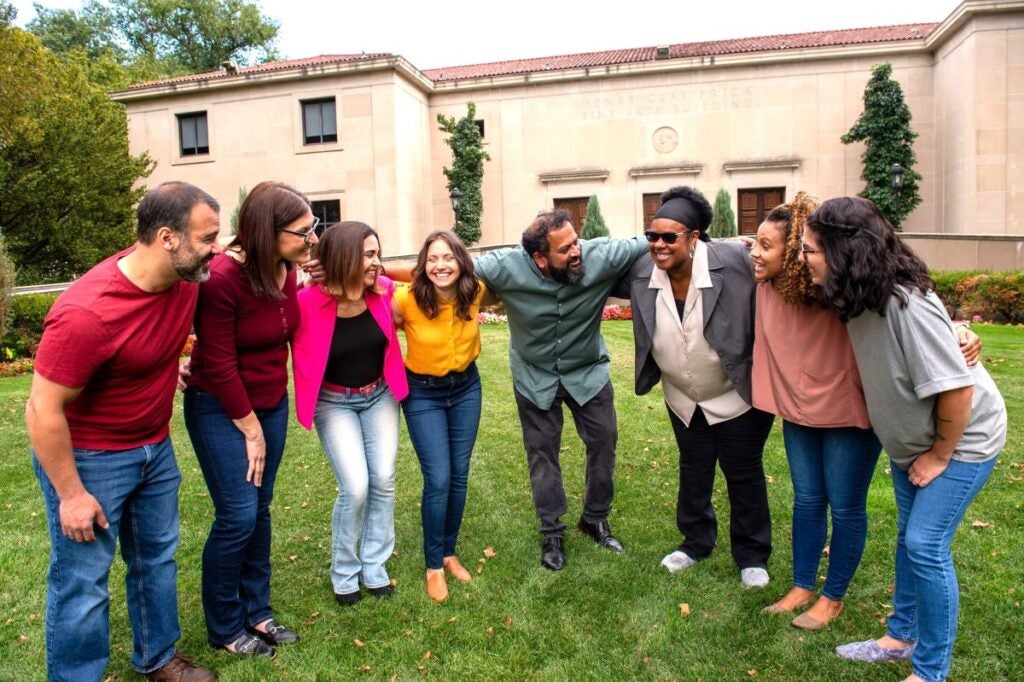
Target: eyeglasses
column 308, row 234
column 667, row 237
column 806, row 250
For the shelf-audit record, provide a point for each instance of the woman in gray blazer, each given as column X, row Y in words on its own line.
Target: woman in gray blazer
column 693, row 320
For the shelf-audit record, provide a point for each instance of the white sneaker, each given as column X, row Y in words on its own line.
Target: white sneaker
column 677, row 561
column 754, row 577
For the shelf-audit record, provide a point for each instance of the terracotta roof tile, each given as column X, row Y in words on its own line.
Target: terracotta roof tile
column 268, row 67
column 792, row 41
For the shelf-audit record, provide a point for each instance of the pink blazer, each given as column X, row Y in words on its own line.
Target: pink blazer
column 312, row 343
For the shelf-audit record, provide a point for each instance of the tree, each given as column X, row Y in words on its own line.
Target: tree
column 67, row 181
column 6, row 285
column 884, row 126
column 593, row 221
column 467, row 171
column 154, row 38
column 723, row 221
column 242, row 194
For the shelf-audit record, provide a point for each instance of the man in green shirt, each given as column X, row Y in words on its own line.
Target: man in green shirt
column 554, row 288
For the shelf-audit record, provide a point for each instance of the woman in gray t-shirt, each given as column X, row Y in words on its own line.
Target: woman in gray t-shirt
column 942, row 423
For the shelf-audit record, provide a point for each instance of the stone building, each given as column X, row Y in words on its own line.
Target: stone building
column 761, row 117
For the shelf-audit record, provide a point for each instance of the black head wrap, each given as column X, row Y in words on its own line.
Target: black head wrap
column 687, row 207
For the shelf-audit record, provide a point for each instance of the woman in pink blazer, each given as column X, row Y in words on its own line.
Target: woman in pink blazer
column 349, row 379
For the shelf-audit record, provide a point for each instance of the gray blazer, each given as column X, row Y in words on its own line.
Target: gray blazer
column 728, row 314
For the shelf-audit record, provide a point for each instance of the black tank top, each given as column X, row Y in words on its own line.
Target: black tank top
column 357, row 351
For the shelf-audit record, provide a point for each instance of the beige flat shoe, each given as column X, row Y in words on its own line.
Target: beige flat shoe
column 456, row 569
column 805, row 621
column 437, row 586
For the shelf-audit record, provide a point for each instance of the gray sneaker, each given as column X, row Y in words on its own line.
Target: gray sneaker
column 870, row 652
column 678, row 561
column 754, row 577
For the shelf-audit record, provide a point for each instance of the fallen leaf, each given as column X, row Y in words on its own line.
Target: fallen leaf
column 426, row 655
column 978, row 523
column 358, row 643
column 490, row 553
column 684, row 609
column 315, row 614
column 490, row 631
column 479, row 569
column 293, row 557
column 770, row 479
column 508, row 621
column 453, row 619
column 752, row 672
column 22, row 638
column 363, row 668
column 647, row 660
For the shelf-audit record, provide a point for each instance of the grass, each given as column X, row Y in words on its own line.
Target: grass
column 604, row 617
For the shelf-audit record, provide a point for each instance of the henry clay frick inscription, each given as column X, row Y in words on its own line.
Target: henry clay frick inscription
column 666, row 102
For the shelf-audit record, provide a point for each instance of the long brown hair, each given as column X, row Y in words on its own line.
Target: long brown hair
column 269, row 208
column 341, row 255
column 466, row 287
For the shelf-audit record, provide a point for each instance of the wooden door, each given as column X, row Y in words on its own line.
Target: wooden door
column 576, row 207
column 652, row 202
column 754, row 205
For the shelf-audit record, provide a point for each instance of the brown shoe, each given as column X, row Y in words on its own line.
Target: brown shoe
column 457, row 570
column 805, row 621
column 181, row 669
column 437, row 586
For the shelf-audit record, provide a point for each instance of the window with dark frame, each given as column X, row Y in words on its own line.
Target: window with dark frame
column 193, row 134
column 329, row 213
column 319, row 121
column 480, row 126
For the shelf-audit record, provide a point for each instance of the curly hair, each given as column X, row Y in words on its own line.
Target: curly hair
column 535, row 237
column 794, row 281
column 466, row 287
column 867, row 263
column 698, row 202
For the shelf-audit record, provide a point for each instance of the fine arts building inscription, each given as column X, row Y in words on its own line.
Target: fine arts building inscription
column 666, row 102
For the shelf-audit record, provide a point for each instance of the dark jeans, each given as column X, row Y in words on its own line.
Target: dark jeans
column 831, row 471
column 542, row 437
column 737, row 446
column 443, row 414
column 236, row 558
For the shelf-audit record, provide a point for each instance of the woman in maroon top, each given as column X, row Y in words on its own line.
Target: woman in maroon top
column 236, row 408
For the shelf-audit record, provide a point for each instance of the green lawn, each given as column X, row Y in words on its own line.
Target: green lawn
column 604, row 617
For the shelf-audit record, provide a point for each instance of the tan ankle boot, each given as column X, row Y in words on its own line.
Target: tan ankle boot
column 437, row 586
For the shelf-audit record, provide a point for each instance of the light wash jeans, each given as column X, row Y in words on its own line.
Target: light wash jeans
column 360, row 436
column 831, row 470
column 926, row 602
column 138, row 491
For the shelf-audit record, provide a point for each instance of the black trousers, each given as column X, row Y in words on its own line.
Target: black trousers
column 737, row 446
column 542, row 437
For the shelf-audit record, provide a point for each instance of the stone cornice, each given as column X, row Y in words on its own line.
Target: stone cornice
column 573, row 174
column 768, row 163
column 666, row 169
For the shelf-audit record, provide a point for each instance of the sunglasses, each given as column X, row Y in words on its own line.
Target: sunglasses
column 667, row 237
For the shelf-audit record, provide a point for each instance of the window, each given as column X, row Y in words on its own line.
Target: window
column 319, row 123
column 193, row 135
column 755, row 203
column 329, row 212
column 577, row 209
column 480, row 126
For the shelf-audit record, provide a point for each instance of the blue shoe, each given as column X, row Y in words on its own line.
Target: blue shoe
column 870, row 652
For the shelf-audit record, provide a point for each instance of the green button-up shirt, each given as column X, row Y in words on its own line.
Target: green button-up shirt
column 555, row 328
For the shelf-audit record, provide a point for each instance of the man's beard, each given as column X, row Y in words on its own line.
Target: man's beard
column 568, row 274
column 189, row 266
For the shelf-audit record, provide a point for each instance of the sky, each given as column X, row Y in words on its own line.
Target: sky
column 462, row 32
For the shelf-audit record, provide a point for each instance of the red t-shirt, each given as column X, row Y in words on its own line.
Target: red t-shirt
column 121, row 345
column 241, row 351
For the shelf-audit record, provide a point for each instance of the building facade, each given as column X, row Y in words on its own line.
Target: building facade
column 760, row 117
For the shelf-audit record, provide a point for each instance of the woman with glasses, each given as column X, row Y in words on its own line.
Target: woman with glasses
column 236, row 408
column 693, row 321
column 438, row 312
column 349, row 379
column 942, row 423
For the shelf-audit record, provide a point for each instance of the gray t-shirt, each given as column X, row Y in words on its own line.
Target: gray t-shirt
column 906, row 358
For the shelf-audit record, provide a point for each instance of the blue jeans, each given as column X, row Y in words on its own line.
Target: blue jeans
column 831, row 469
column 360, row 436
column 926, row 602
column 138, row 491
column 443, row 414
column 236, row 557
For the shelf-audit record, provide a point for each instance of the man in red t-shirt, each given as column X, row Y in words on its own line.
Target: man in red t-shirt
column 97, row 418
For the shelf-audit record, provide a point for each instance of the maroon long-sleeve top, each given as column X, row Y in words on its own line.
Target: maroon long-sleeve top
column 241, row 351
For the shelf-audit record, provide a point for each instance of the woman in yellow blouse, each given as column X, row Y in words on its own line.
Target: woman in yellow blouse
column 438, row 312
